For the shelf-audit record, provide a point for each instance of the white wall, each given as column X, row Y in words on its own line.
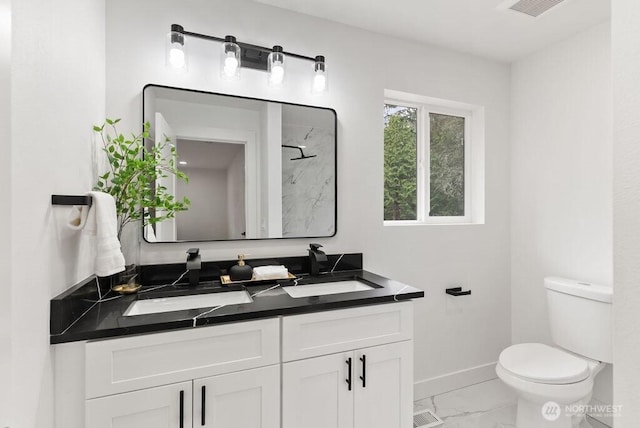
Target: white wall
column 270, row 176
column 452, row 334
column 5, row 214
column 626, row 224
column 561, row 177
column 236, row 219
column 189, row 120
column 58, row 91
column 207, row 216
column 561, row 173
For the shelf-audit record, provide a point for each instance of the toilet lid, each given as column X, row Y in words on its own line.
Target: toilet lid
column 543, row 364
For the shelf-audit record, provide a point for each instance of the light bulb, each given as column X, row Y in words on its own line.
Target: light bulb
column 277, row 74
column 276, row 64
column 319, row 83
column 176, row 49
column 230, row 64
column 230, row 60
column 176, row 56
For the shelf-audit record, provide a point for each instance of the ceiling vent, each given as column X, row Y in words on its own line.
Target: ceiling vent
column 534, row 8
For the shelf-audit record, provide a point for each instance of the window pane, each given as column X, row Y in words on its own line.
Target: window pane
column 400, row 163
column 447, row 165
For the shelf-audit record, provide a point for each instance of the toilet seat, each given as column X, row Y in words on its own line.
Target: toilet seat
column 539, row 363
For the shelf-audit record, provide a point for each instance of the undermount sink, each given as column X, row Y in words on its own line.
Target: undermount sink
column 181, row 303
column 326, row 288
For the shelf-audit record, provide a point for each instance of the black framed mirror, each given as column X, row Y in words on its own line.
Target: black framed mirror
column 258, row 169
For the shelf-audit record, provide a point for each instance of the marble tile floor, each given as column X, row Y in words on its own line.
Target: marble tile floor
column 488, row 404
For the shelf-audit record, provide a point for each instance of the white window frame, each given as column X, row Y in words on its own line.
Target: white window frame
column 473, row 157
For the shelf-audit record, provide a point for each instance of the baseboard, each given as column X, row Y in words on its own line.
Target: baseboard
column 454, row 380
column 604, row 419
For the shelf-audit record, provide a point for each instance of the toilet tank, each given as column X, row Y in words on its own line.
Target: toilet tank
column 581, row 317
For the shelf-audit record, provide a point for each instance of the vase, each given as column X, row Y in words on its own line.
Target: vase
column 128, row 281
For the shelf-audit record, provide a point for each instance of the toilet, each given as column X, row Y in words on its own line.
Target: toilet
column 555, row 383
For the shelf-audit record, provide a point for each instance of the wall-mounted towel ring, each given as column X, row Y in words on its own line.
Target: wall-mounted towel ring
column 71, row 200
column 457, row 291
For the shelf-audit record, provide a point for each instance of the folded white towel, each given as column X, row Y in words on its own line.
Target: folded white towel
column 270, row 272
column 100, row 221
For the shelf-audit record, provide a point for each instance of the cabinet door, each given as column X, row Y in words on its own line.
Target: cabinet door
column 245, row 399
column 165, row 406
column 384, row 399
column 315, row 393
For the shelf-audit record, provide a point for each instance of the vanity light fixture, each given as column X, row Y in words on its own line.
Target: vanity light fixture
column 275, row 61
column 236, row 55
column 319, row 84
column 230, row 60
column 176, row 54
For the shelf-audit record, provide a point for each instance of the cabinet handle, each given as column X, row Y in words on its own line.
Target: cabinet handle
column 363, row 378
column 204, row 403
column 181, row 409
column 349, row 371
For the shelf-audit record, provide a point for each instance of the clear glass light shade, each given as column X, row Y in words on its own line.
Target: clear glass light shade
column 276, row 63
column 319, row 83
column 230, row 60
column 176, row 53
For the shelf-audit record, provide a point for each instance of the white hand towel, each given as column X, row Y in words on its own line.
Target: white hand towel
column 101, row 221
column 78, row 217
column 270, row 272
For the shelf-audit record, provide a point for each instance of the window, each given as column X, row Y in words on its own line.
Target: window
column 428, row 162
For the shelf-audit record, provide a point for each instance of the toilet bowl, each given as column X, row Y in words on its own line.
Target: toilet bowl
column 554, row 384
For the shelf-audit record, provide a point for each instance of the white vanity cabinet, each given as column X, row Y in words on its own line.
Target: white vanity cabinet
column 245, row 399
column 282, row 372
column 165, row 406
column 386, row 399
column 242, row 391
column 331, row 391
column 365, row 387
column 315, row 394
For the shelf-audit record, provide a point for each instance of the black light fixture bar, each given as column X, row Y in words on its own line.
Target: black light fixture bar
column 253, row 56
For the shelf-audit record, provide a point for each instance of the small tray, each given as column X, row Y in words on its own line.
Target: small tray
column 126, row 288
column 226, row 280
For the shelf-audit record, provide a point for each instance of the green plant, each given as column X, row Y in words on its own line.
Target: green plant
column 133, row 173
column 400, row 163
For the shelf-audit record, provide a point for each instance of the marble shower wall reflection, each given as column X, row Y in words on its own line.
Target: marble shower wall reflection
column 308, row 185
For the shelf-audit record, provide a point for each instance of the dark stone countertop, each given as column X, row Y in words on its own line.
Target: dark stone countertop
column 80, row 313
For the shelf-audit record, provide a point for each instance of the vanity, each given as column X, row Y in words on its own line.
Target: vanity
column 330, row 348
column 337, row 354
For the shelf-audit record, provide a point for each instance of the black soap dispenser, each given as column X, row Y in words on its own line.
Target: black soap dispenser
column 241, row 271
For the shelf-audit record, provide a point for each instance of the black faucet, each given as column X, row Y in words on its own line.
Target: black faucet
column 194, row 264
column 316, row 259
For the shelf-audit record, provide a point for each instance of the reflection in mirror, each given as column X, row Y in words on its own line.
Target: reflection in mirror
column 257, row 169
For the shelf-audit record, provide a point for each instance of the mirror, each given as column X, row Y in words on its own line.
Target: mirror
column 257, row 169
